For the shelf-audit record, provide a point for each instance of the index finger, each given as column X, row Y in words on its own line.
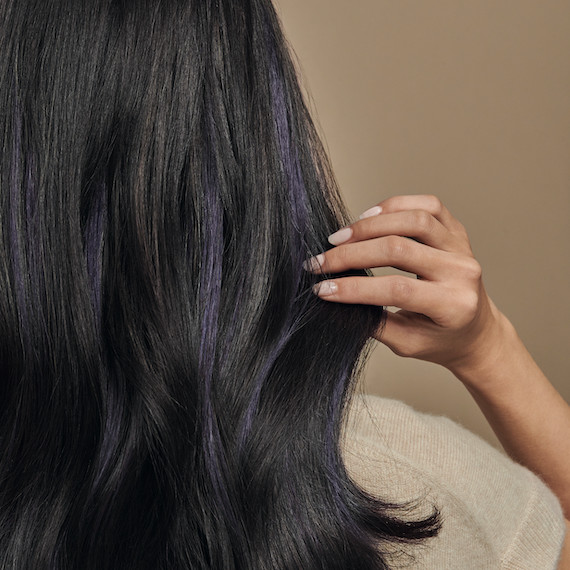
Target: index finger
column 417, row 224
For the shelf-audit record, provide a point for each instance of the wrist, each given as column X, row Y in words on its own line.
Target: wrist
column 490, row 352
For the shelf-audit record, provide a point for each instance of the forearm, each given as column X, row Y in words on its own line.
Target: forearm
column 528, row 415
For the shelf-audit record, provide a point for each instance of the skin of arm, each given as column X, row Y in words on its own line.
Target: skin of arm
column 446, row 317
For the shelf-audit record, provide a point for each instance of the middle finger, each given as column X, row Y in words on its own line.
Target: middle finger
column 390, row 251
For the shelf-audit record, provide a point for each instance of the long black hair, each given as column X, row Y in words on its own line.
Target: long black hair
column 171, row 391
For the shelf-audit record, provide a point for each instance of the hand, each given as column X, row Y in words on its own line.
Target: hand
column 445, row 314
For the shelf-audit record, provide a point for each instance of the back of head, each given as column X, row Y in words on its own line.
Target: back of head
column 171, row 392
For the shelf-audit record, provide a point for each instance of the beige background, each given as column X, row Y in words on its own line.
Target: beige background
column 469, row 101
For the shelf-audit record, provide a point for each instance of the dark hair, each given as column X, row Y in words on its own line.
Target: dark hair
column 171, row 391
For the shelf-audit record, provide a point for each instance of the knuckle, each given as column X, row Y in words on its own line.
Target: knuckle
column 435, row 205
column 401, row 289
column 461, row 310
column 391, row 203
column 422, row 221
column 469, row 304
column 473, row 269
column 396, row 247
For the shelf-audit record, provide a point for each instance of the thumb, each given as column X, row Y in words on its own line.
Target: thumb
column 401, row 332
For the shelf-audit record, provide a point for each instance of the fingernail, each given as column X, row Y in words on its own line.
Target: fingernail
column 341, row 236
column 314, row 263
column 325, row 288
column 374, row 211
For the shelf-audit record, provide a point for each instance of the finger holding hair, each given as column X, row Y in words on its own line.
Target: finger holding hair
column 444, row 311
column 422, row 218
column 393, row 251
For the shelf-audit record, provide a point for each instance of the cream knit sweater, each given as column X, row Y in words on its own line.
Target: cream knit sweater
column 495, row 513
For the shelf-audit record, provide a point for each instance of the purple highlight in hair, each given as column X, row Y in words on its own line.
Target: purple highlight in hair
column 297, row 198
column 269, row 362
column 297, row 193
column 209, row 297
column 289, row 155
column 94, row 230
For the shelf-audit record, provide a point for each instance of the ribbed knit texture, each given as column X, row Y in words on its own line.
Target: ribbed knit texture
column 495, row 513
